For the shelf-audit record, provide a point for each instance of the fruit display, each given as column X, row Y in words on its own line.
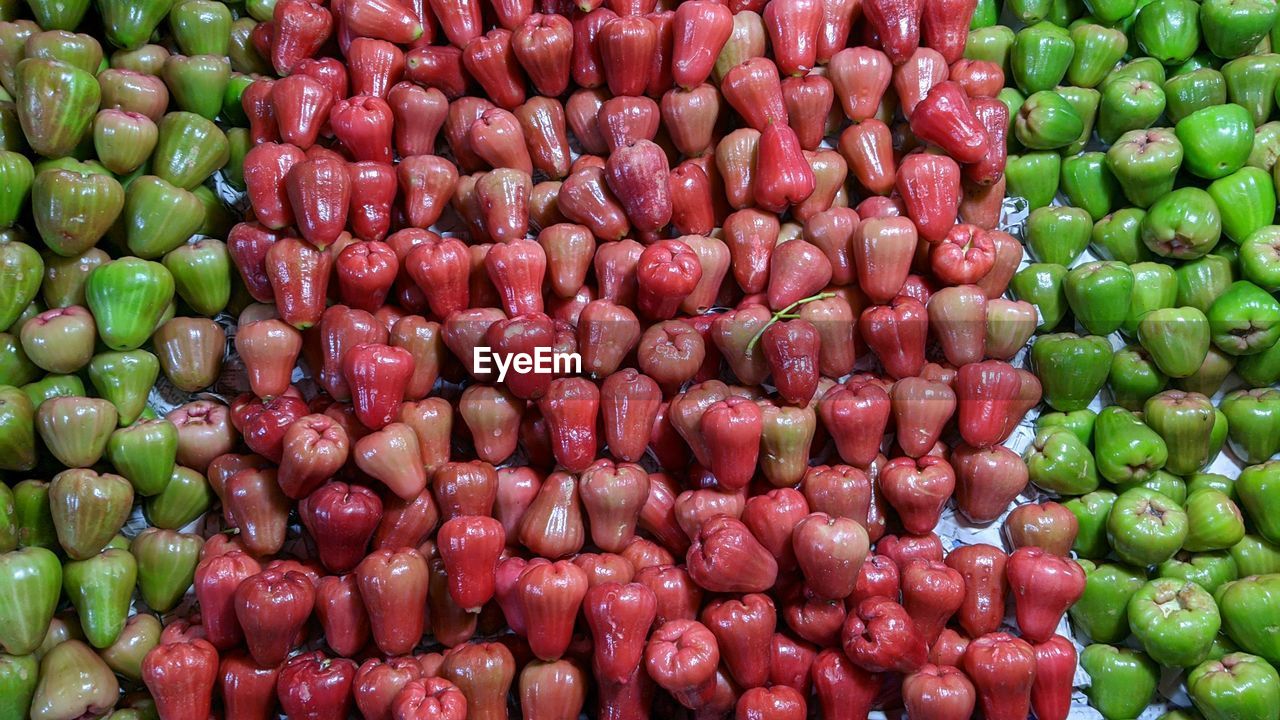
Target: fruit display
column 766, row 360
column 1142, row 143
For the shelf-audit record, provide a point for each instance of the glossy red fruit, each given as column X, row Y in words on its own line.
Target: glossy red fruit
column 938, row 691
column 619, row 617
column 744, row 630
column 985, row 585
column 341, row 519
column 880, row 636
column 470, row 546
column 932, row 592
column 272, row 607
column 180, row 677
column 1044, row 586
column 393, row 588
column 316, row 686
column 550, row 596
column 1002, row 668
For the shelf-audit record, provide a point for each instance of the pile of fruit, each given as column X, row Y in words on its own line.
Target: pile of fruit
column 638, row 359
column 1174, row 210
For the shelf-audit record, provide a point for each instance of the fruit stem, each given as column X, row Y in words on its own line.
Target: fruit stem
column 785, row 314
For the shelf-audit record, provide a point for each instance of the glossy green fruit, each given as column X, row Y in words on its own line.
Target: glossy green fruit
column 1255, row 555
column 64, row 277
column 1125, row 448
column 129, row 23
column 1169, row 30
column 1261, row 369
column 166, row 565
column 1237, row 685
column 201, row 27
column 1033, row 176
column 190, row 149
column 1117, row 236
column 1102, row 610
column 32, row 582
column 125, row 378
column 1235, row 27
column 16, row 176
column 1175, row 620
column 56, row 104
column 1202, row 281
column 53, row 386
column 1155, row 286
column 1057, row 235
column 128, row 298
column 1251, row 83
column 1091, row 513
column 1166, row 484
column 21, row 271
column 1214, row 521
column 1085, row 102
column 1244, row 320
column 1122, row 680
column 88, row 510
column 1249, row 606
column 145, row 454
column 18, row 677
column 1260, row 258
column 1145, row 527
column 159, row 217
column 1247, row 201
column 1216, row 140
column 1097, row 50
column 1110, row 12
column 100, row 588
column 1145, row 163
column 202, row 275
column 1059, row 462
column 1099, row 294
column 183, row 500
column 75, row 429
column 1209, row 570
column 1041, row 285
column 74, row 207
column 1258, row 488
column 1079, row 422
column 1253, row 418
column 125, row 656
column 1040, row 57
column 198, row 83
column 1128, row 104
column 1184, row 224
column 1046, row 121
column 17, row 430
column 122, row 140
column 991, row 43
column 1088, row 184
column 1193, row 91
column 74, row 682
column 1134, row 377
column 1072, row 369
column 1176, row 338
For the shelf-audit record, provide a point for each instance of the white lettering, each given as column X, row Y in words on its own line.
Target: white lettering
column 504, row 362
column 572, row 364
column 543, row 360
column 480, row 358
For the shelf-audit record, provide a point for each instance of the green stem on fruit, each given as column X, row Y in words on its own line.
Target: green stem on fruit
column 785, row 314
